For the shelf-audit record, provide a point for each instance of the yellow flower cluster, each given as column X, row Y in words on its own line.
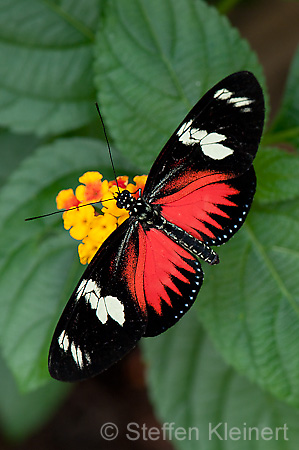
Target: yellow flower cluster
column 93, row 225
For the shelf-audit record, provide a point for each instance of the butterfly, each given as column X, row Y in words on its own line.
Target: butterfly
column 147, row 273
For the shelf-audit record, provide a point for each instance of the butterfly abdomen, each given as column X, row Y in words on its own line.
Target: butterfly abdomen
column 193, row 245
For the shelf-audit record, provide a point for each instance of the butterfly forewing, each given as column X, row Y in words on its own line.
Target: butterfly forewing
column 221, row 133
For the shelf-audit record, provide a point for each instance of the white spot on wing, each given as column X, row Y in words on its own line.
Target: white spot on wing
column 211, row 147
column 217, row 151
column 102, row 314
column 80, row 289
column 209, row 142
column 93, row 300
column 103, row 306
column 115, row 309
column 74, row 352
column 196, row 135
column 110, row 306
column 212, row 138
column 184, row 131
column 63, row 341
column 77, row 355
column 238, row 102
column 190, row 136
column 93, row 287
column 223, row 94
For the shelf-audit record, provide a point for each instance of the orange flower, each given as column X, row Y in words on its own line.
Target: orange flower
column 66, row 199
column 87, row 249
column 122, row 182
column 78, row 221
column 140, row 181
column 92, row 188
column 100, row 228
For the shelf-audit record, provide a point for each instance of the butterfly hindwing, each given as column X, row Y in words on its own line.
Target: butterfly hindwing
column 212, row 208
column 168, row 277
column 102, row 321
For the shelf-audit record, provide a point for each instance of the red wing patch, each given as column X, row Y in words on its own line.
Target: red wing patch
column 168, row 278
column 213, row 207
column 163, row 261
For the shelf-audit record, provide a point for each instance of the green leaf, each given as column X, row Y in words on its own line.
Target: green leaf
column 21, row 414
column 277, row 175
column 191, row 386
column 13, row 150
column 286, row 126
column 46, row 71
column 250, row 302
column 154, row 60
column 38, row 262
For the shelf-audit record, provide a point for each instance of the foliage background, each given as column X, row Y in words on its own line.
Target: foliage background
column 235, row 357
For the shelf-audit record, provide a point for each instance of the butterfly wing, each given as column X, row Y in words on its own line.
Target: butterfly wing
column 103, row 319
column 203, row 178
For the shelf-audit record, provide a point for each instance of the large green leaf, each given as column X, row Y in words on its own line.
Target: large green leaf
column 38, row 261
column 250, row 302
column 191, row 386
column 154, row 60
column 46, row 81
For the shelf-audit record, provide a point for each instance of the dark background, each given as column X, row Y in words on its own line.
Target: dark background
column 120, row 395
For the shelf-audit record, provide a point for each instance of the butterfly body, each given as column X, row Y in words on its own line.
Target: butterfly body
column 149, row 216
column 147, row 274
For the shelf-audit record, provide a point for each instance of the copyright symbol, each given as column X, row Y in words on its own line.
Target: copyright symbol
column 109, row 431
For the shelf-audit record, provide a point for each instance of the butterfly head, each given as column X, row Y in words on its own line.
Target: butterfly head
column 125, row 200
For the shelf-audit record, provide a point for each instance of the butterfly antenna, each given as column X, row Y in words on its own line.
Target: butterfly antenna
column 109, row 148
column 67, row 209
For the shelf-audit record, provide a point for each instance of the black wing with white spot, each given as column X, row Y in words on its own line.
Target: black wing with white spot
column 102, row 320
column 221, row 133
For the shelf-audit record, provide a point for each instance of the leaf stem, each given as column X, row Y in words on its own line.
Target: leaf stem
column 224, row 6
